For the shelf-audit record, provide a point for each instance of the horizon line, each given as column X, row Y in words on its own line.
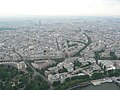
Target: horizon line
column 59, row 16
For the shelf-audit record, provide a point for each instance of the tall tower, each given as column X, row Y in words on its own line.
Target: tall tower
column 57, row 44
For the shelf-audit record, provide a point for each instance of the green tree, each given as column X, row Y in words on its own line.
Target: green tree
column 56, row 83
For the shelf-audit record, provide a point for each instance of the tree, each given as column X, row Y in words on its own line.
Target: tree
column 8, row 87
column 113, row 56
column 77, row 63
column 62, row 70
column 97, row 75
column 97, row 56
column 56, row 83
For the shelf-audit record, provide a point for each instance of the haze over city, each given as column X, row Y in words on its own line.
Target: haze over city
column 60, row 7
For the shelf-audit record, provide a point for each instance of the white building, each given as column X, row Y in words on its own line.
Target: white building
column 69, row 66
column 106, row 64
column 57, row 77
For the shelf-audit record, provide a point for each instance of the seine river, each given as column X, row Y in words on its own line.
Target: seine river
column 106, row 86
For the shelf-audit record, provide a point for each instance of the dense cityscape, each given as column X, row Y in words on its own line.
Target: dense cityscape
column 59, row 53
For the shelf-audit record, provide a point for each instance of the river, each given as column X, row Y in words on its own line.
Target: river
column 106, row 86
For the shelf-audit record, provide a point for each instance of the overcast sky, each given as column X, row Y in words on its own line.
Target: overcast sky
column 60, row 7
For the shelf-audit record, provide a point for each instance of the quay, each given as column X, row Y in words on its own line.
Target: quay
column 100, row 81
column 116, row 80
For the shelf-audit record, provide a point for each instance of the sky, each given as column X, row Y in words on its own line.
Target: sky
column 60, row 7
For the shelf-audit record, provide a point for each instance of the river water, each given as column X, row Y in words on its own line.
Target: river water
column 105, row 86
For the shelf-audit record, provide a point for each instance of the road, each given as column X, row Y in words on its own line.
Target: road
column 34, row 70
column 86, row 44
column 39, row 74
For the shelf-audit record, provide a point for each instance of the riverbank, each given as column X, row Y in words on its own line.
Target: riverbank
column 84, row 84
column 100, row 81
column 97, row 82
column 105, row 86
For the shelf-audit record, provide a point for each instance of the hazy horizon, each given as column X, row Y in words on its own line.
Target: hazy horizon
column 59, row 7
